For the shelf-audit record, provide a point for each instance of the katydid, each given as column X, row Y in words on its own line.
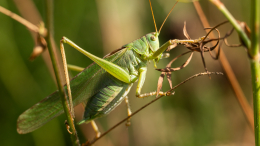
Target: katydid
column 104, row 84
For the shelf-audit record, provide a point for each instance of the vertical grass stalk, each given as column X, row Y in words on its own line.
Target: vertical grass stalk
column 50, row 42
column 255, row 69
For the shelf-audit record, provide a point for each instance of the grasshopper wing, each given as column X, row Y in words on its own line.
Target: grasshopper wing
column 82, row 87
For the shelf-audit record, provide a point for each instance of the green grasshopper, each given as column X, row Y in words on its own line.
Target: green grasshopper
column 104, row 84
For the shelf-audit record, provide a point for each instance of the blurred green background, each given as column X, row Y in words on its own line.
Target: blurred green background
column 203, row 112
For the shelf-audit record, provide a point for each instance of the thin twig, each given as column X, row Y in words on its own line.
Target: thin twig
column 229, row 72
column 149, row 103
column 26, row 23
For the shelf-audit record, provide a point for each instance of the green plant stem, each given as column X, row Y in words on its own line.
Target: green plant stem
column 234, row 22
column 254, row 50
column 255, row 68
column 50, row 42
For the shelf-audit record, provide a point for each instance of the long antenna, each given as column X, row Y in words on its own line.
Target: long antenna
column 166, row 16
column 153, row 15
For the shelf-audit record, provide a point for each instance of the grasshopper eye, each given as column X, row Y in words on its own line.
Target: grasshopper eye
column 153, row 38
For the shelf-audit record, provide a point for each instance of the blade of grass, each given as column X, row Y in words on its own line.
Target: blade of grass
column 229, row 72
column 49, row 24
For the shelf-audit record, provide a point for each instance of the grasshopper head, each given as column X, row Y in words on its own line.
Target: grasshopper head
column 153, row 42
